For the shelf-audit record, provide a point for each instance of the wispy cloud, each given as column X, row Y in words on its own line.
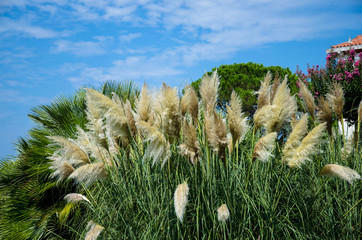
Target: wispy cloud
column 83, row 48
column 129, row 37
column 15, row 96
column 11, row 26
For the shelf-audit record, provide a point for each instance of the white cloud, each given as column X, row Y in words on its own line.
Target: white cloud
column 15, row 96
column 8, row 25
column 81, row 48
column 129, row 37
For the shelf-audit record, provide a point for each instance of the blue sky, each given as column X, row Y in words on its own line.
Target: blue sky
column 52, row 47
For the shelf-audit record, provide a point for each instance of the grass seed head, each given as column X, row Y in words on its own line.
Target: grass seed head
column 264, row 147
column 89, row 173
column 264, row 91
column 93, row 230
column 223, row 213
column 341, row 172
column 75, row 198
column 308, row 99
column 336, row 99
column 190, row 103
column 180, row 200
column 191, row 147
column 208, row 90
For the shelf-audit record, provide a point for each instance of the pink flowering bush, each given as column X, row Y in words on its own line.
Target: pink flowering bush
column 345, row 71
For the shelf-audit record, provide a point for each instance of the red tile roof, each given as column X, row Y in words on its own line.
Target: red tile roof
column 355, row 41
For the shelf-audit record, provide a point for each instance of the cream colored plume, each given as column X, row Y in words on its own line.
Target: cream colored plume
column 180, row 200
column 264, row 91
column 75, row 198
column 168, row 110
column 223, row 213
column 279, row 112
column 308, row 99
column 208, row 90
column 191, row 147
column 216, row 134
column 62, row 169
column 308, row 146
column 130, row 118
column 158, row 147
column 95, row 120
column 264, row 147
column 336, row 99
column 295, row 138
column 89, row 173
column 143, row 111
column 274, row 87
column 190, row 103
column 237, row 123
column 93, row 230
column 341, row 172
column 324, row 114
column 69, row 150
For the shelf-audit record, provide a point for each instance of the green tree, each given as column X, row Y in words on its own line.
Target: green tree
column 245, row 78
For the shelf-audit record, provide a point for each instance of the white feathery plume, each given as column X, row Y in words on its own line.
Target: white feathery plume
column 264, row 147
column 208, row 90
column 89, row 173
column 295, row 138
column 223, row 213
column 307, row 147
column 264, row 91
column 93, row 230
column 180, row 200
column 158, row 147
column 62, row 169
column 191, row 147
column 190, row 103
column 341, row 172
column 75, row 198
column 143, row 110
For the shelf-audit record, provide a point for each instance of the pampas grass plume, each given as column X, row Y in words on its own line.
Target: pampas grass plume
column 191, row 147
column 75, row 198
column 223, row 213
column 307, row 147
column 341, row 172
column 336, row 99
column 143, row 106
column 190, row 103
column 208, row 90
column 69, row 150
column 324, row 114
column 308, row 98
column 264, row 147
column 180, row 200
column 89, row 173
column 93, row 230
column 264, row 91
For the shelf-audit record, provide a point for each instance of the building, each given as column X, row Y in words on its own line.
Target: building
column 342, row 49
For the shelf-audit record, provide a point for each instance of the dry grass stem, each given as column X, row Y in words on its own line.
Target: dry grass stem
column 75, row 198
column 307, row 147
column 208, row 90
column 223, row 213
column 93, row 230
column 180, row 200
column 295, row 138
column 341, row 172
column 308, row 99
column 360, row 112
column 264, row 147
column 191, row 147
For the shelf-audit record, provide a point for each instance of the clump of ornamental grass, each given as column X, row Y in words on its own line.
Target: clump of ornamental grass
column 324, row 114
column 190, row 104
column 237, row 123
column 180, row 200
column 89, row 173
column 223, row 213
column 307, row 147
column 264, row 147
column 158, row 147
column 208, row 90
column 93, row 230
column 294, row 140
column 75, row 198
column 191, row 147
column 168, row 112
column 308, row 99
column 341, row 172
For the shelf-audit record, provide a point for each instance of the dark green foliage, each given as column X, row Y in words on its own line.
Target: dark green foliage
column 245, row 78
